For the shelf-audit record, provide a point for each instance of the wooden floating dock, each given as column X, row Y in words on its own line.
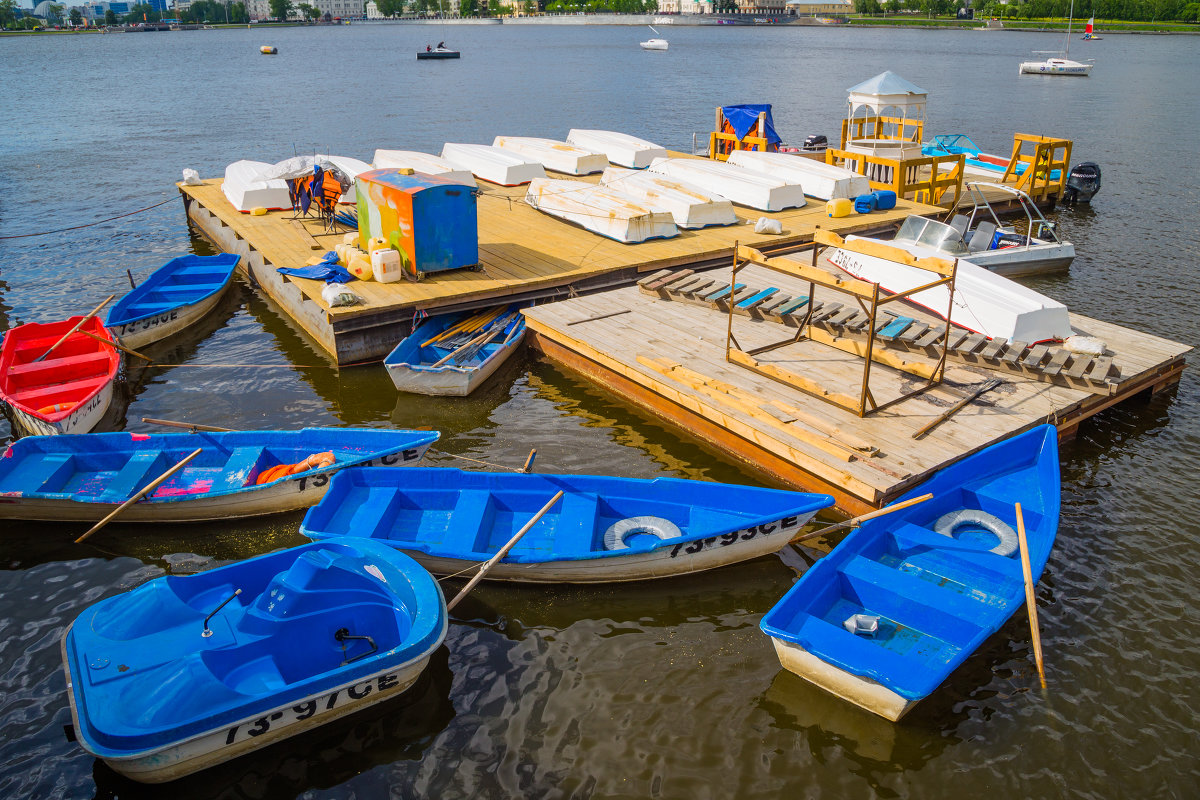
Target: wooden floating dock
column 661, row 345
column 525, row 255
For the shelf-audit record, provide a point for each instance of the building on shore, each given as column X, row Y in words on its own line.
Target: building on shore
column 820, row 8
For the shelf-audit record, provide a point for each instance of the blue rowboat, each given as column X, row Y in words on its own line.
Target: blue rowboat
column 604, row 529
column 83, row 478
column 906, row 598
column 414, row 366
column 183, row 673
column 176, row 295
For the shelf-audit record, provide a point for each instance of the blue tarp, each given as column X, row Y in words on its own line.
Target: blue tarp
column 743, row 118
column 328, row 270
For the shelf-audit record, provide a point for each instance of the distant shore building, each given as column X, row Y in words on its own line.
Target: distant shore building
column 820, row 8
column 344, row 9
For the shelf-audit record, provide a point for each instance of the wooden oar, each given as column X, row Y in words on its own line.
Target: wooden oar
column 529, row 461
column 117, row 345
column 78, row 325
column 191, row 426
column 478, row 342
column 1030, row 599
column 881, row 512
column 491, row 562
column 954, row 409
column 149, row 488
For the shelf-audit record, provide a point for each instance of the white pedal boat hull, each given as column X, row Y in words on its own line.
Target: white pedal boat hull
column 741, row 186
column 621, row 148
column 689, row 205
column 554, row 155
column 820, row 180
column 492, row 164
column 600, row 209
column 424, row 163
column 246, row 192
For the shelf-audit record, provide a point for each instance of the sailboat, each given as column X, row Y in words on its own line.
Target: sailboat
column 441, row 51
column 1088, row 31
column 656, row 43
column 1061, row 65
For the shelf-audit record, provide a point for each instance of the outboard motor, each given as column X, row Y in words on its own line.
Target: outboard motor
column 815, row 143
column 1083, row 183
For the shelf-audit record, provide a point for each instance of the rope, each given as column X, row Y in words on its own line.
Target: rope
column 477, row 461
column 89, row 224
column 465, row 569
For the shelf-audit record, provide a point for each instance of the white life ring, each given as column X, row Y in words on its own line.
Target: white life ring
column 614, row 537
column 948, row 523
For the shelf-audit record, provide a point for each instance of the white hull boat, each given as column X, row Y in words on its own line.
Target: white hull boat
column 492, row 164
column 82, row 419
column 554, row 155
column 350, row 167
column 246, row 191
column 742, row 186
column 655, row 44
column 820, row 180
column 688, row 204
column 621, row 148
column 600, row 209
column 983, row 302
column 423, row 163
column 1055, row 66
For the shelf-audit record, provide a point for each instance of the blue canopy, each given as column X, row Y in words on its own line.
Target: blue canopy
column 744, row 117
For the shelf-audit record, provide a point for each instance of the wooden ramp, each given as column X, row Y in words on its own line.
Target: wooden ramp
column 668, row 356
column 524, row 254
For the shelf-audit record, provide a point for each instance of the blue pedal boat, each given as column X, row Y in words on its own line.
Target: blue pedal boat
column 238, row 474
column 174, row 297
column 183, row 673
column 411, row 365
column 906, row 598
column 603, row 530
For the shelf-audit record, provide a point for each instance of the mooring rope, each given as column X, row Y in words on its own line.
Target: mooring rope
column 477, row 461
column 89, row 224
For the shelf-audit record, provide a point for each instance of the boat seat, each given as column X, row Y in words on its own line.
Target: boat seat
column 575, row 526
column 472, row 516
column 915, row 594
column 37, row 397
column 238, row 468
column 36, row 473
column 51, row 364
column 134, row 475
column 866, row 657
column 981, row 237
column 959, row 223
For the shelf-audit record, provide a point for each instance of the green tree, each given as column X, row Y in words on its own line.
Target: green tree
column 238, row 14
column 142, row 12
column 110, row 17
column 494, row 8
column 309, row 12
column 76, row 17
column 390, row 8
column 54, row 13
column 8, row 13
column 280, row 9
column 468, row 8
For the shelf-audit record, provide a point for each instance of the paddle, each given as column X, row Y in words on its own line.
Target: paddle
column 491, row 562
column 191, row 426
column 149, row 488
column 1030, row 600
column 881, row 512
column 478, row 342
column 78, row 325
column 117, row 345
column 948, row 413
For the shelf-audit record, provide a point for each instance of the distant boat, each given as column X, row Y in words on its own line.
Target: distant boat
column 175, row 296
column 1089, row 31
column 436, row 53
column 82, row 478
column 605, row 529
column 904, row 600
column 656, row 43
column 67, row 391
column 1060, row 65
column 186, row 672
column 447, row 356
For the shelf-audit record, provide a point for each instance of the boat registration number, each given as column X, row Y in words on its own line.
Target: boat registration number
column 322, row 478
column 726, row 539
column 311, row 708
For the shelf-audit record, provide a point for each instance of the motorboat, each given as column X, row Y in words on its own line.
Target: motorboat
column 1058, row 62
column 976, row 234
column 977, row 162
column 437, row 53
column 657, row 43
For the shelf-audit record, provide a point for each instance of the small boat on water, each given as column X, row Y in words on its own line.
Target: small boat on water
column 492, row 164
column 453, row 354
column 690, row 206
column 820, row 180
column 1059, row 61
column 976, row 234
column 1089, row 31
column 621, row 148
column 885, row 618
column 437, row 53
column 604, row 529
column 976, row 162
column 742, row 186
column 983, row 301
column 554, row 155
column 422, row 162
column 69, row 389
column 186, row 672
column 173, row 298
column 655, row 43
column 601, row 209
column 237, row 474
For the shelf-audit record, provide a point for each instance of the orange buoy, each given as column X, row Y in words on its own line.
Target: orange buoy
column 54, row 409
column 271, row 473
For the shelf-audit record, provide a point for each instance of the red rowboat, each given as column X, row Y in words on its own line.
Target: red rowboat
column 69, row 390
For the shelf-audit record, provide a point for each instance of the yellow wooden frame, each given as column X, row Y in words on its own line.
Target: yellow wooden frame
column 922, row 177
column 872, row 128
column 755, row 140
column 1048, row 154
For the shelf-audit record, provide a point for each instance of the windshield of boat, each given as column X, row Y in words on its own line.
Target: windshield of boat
column 931, row 233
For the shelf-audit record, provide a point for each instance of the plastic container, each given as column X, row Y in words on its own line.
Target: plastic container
column 341, row 249
column 865, row 203
column 841, row 207
column 360, row 266
column 385, row 265
column 376, row 243
column 351, row 239
column 885, row 199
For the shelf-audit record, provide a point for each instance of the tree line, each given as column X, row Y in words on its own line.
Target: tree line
column 1130, row 10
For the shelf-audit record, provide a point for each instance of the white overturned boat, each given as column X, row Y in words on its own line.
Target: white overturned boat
column 689, row 205
column 554, row 155
column 983, row 302
column 820, row 180
column 492, row 164
column 742, row 186
column 600, row 210
column 350, row 167
column 423, row 163
column 247, row 191
column 621, row 148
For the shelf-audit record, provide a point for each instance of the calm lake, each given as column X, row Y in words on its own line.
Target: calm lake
column 663, row 689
